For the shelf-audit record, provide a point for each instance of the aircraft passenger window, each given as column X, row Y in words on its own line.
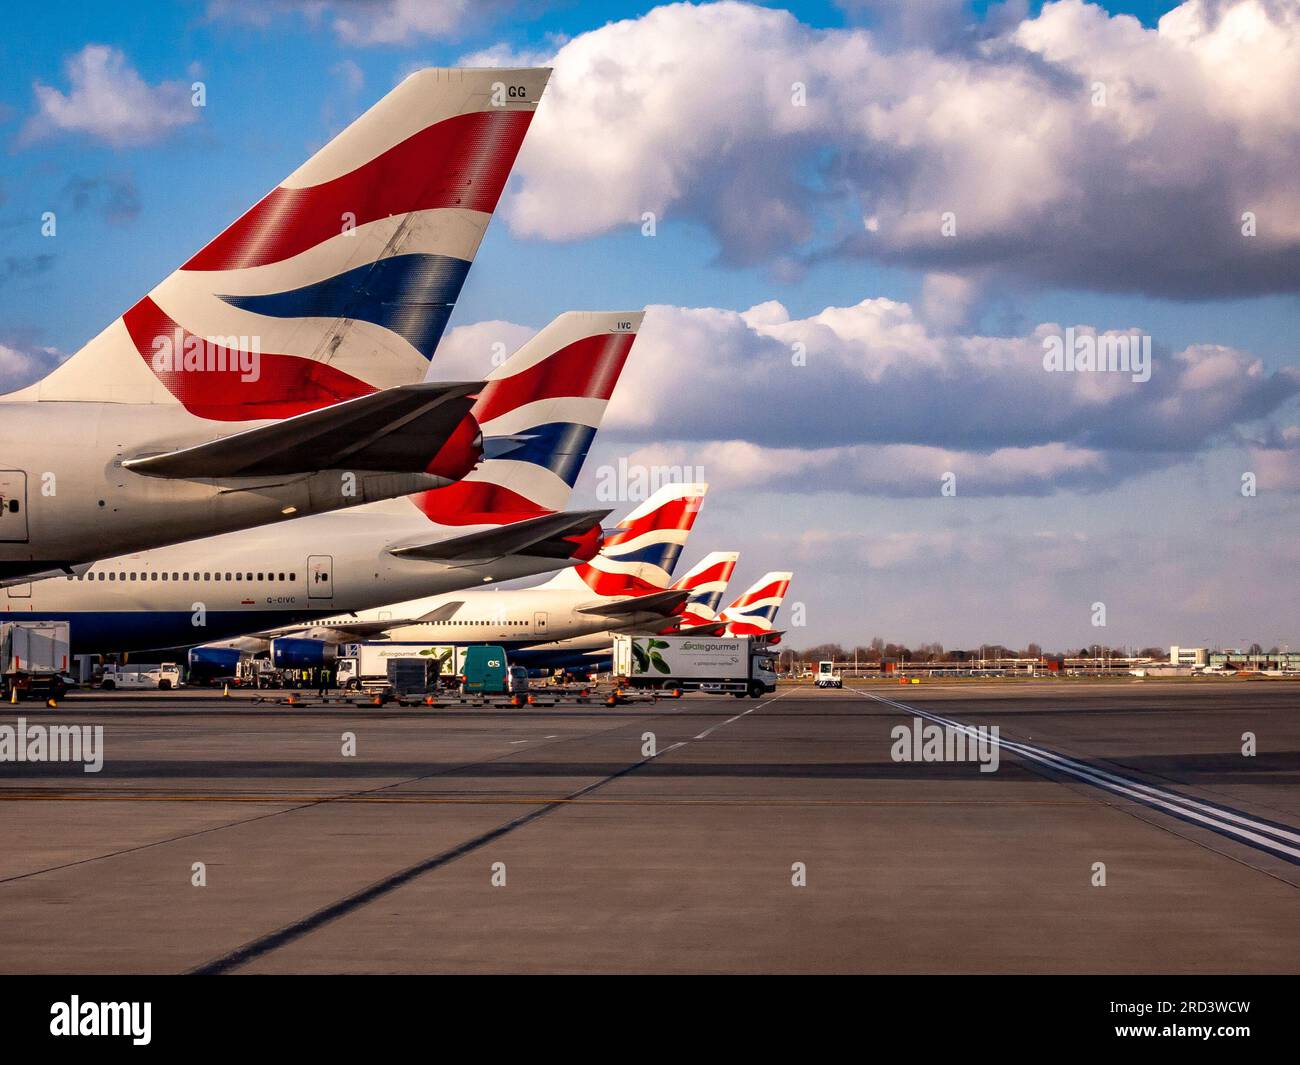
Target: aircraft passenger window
column 249, row 577
column 164, row 576
column 293, row 576
column 281, row 576
column 113, row 576
column 259, row 576
column 185, row 576
column 13, row 506
column 175, row 576
column 227, row 576
column 207, row 576
column 239, row 576
column 133, row 574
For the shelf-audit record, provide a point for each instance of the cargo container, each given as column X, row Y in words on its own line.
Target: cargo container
column 364, row 666
column 34, row 659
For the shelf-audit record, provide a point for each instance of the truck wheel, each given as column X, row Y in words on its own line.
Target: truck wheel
column 756, row 690
column 164, row 685
column 108, row 685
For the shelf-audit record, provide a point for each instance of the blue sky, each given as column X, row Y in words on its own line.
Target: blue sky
column 280, row 82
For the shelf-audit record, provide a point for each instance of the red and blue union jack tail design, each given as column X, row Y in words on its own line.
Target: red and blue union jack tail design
column 539, row 413
column 754, row 613
column 706, row 582
column 638, row 557
column 340, row 280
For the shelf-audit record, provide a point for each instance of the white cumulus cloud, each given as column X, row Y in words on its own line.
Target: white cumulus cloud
column 1074, row 148
column 108, row 100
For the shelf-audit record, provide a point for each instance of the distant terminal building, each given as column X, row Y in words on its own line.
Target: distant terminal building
column 1230, row 658
column 1189, row 656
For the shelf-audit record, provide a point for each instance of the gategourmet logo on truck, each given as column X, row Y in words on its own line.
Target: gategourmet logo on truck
column 715, row 646
column 22, row 742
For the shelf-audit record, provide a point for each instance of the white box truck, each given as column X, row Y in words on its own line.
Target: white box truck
column 34, row 659
column 736, row 664
column 364, row 666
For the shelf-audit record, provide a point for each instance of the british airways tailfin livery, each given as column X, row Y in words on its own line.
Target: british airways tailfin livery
column 754, row 613
column 624, row 584
column 278, row 371
column 705, row 584
column 539, row 410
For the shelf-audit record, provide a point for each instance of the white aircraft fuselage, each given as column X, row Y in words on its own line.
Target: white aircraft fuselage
column 66, row 498
column 326, row 566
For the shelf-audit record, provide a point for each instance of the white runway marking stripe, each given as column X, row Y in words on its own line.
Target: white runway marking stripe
column 1278, row 839
column 729, row 720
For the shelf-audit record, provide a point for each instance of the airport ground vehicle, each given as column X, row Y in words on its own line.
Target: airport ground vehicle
column 255, row 673
column 33, row 659
column 740, row 665
column 828, row 676
column 487, row 671
column 163, row 677
column 364, row 666
column 411, row 676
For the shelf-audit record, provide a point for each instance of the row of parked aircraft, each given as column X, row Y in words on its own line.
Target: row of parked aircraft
column 283, row 375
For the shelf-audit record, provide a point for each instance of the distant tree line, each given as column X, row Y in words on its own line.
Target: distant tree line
column 879, row 649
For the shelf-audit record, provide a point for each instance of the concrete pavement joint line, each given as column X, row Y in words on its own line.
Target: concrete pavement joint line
column 308, row 804
column 296, row 930
column 1276, row 839
column 533, row 800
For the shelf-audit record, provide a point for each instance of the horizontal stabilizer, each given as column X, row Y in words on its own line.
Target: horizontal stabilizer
column 398, row 430
column 713, row 628
column 665, row 603
column 543, row 535
column 441, row 613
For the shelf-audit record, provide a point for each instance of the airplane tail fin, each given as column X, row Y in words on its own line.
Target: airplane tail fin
column 754, row 613
column 706, row 582
column 539, row 413
column 639, row 556
column 340, row 280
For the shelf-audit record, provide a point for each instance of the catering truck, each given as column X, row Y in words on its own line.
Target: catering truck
column 364, row 666
column 740, row 665
column 33, row 659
